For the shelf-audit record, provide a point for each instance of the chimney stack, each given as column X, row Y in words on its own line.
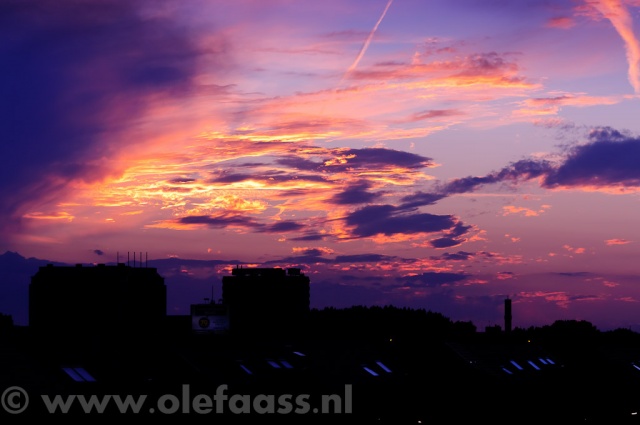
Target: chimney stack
column 507, row 315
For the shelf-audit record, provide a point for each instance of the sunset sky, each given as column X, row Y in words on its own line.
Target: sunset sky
column 432, row 154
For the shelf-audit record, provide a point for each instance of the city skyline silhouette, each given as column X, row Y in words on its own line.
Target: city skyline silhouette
column 377, row 357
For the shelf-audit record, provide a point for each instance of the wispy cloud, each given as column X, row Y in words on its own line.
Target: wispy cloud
column 620, row 17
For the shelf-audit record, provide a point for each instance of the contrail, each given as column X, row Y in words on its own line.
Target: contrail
column 363, row 50
column 621, row 20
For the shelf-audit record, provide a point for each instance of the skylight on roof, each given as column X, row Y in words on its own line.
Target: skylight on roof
column 513, row 362
column 385, row 368
column 246, row 369
column 543, row 361
column 78, row 374
column 535, row 366
column 273, row 364
column 298, row 353
column 371, row 372
column 85, row 375
column 507, row 371
column 286, row 364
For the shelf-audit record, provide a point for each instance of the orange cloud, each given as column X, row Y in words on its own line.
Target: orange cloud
column 561, row 299
column 511, row 209
column 610, row 242
column 574, row 250
column 551, row 104
column 62, row 215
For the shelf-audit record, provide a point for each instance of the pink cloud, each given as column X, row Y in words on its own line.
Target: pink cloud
column 610, row 242
column 562, row 22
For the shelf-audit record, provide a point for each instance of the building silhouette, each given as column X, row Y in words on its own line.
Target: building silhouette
column 267, row 302
column 71, row 302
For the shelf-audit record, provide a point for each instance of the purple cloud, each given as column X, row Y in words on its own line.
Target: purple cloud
column 420, row 199
column 611, row 159
column 74, row 73
column 356, row 194
column 310, row 237
column 380, row 157
column 432, row 279
column 364, row 258
column 389, row 220
column 445, row 242
column 456, row 256
column 268, row 177
column 220, row 222
column 284, row 226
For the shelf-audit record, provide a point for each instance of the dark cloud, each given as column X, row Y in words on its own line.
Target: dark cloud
column 456, row 256
column 314, row 252
column 574, row 274
column 432, row 279
column 75, row 73
column 432, row 113
column 284, row 226
column 366, row 158
column 611, row 159
column 224, row 220
column 300, row 259
column 268, row 177
column 445, row 242
column 182, row 180
column 364, row 258
column 389, row 220
column 420, row 199
column 584, row 297
column 310, row 237
column 299, row 163
column 355, row 194
column 459, row 229
column 517, row 171
column 98, row 252
column 220, row 222
column 316, row 256
column 380, row 158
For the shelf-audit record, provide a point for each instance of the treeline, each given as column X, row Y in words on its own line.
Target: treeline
column 385, row 323
column 402, row 323
column 573, row 336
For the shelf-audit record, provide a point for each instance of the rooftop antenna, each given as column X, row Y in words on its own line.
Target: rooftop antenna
column 134, row 259
column 127, row 258
column 146, row 259
column 117, row 258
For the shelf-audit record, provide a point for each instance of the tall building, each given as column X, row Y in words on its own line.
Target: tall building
column 72, row 302
column 267, row 302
